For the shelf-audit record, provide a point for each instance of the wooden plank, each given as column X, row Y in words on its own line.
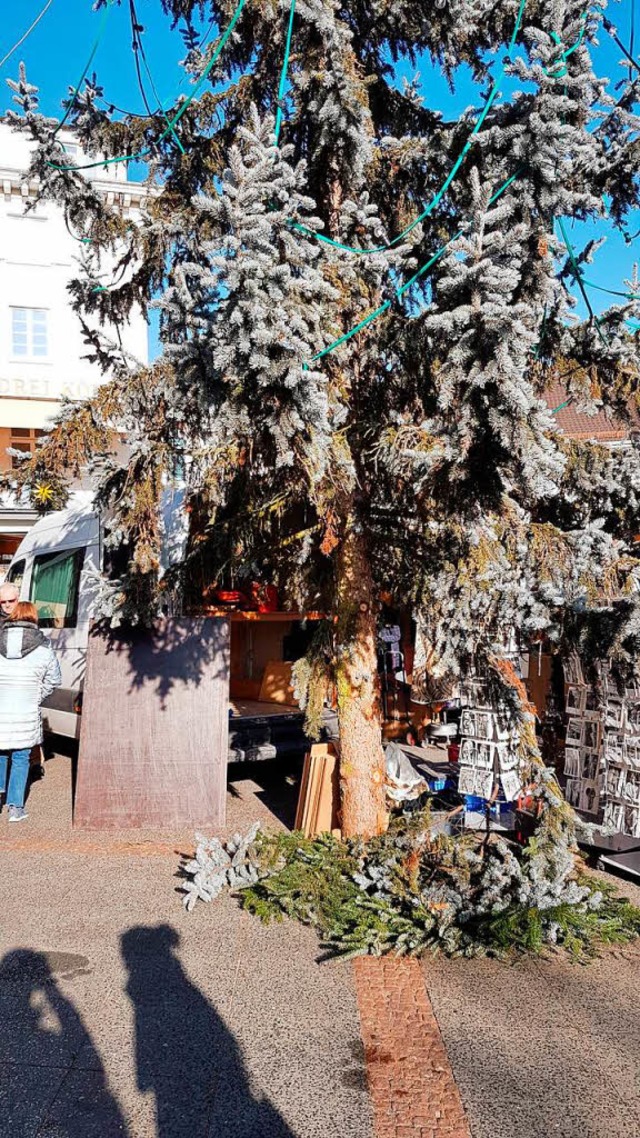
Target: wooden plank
column 277, row 683
column 303, row 793
column 154, row 727
column 319, row 798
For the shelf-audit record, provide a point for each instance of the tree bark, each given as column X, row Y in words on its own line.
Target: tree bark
column 363, row 809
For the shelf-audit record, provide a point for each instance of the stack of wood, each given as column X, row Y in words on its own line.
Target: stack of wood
column 319, row 799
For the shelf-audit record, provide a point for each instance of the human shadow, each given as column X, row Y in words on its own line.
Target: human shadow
column 52, row 1080
column 185, row 1054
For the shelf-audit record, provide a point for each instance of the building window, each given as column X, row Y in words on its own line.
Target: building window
column 29, row 340
column 24, row 439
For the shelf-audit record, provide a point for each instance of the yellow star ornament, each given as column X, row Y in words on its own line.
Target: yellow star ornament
column 43, row 493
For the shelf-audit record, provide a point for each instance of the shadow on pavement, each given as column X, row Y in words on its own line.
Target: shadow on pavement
column 52, row 1081
column 185, row 1055
column 278, row 783
column 61, row 745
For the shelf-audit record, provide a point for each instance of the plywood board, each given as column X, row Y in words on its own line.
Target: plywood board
column 154, row 727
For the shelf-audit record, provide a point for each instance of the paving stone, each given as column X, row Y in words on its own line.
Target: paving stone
column 529, row 1053
column 411, row 1083
column 123, row 1015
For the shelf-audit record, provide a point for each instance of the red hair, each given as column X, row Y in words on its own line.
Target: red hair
column 25, row 610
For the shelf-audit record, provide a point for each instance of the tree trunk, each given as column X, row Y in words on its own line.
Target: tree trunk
column 361, row 756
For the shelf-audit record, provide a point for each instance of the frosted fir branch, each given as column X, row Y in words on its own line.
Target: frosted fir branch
column 220, row 865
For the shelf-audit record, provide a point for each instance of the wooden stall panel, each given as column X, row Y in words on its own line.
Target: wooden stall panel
column 154, row 730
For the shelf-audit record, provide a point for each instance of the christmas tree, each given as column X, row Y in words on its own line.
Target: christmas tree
column 362, row 305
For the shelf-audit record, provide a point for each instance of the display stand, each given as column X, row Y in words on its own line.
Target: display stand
column 154, row 727
column 393, row 677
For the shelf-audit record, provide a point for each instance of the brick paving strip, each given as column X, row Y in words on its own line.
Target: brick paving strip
column 411, row 1083
column 82, row 846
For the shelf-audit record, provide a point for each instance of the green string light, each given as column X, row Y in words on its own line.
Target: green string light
column 312, row 233
column 76, row 90
column 611, row 291
column 561, row 62
column 140, row 155
column 578, row 276
column 171, row 123
column 399, row 292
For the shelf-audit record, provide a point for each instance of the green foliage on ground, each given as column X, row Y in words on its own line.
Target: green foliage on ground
column 407, row 893
column 578, row 929
column 416, row 888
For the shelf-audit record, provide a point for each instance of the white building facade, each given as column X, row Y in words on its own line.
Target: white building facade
column 41, row 343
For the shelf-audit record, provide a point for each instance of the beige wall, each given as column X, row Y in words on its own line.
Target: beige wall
column 38, row 259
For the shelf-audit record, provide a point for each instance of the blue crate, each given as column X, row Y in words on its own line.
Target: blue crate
column 435, row 784
column 474, row 802
column 501, row 812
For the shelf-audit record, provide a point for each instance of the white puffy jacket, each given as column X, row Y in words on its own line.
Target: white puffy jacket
column 29, row 671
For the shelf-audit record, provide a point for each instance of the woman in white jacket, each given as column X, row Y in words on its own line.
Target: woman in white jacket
column 29, row 672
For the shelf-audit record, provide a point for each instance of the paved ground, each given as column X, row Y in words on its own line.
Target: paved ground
column 544, row 1049
column 264, row 792
column 122, row 1015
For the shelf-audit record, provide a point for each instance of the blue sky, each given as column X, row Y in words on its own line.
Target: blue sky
column 56, row 51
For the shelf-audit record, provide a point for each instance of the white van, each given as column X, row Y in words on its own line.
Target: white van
column 55, row 566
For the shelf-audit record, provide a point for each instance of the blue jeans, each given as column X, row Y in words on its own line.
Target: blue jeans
column 18, row 776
